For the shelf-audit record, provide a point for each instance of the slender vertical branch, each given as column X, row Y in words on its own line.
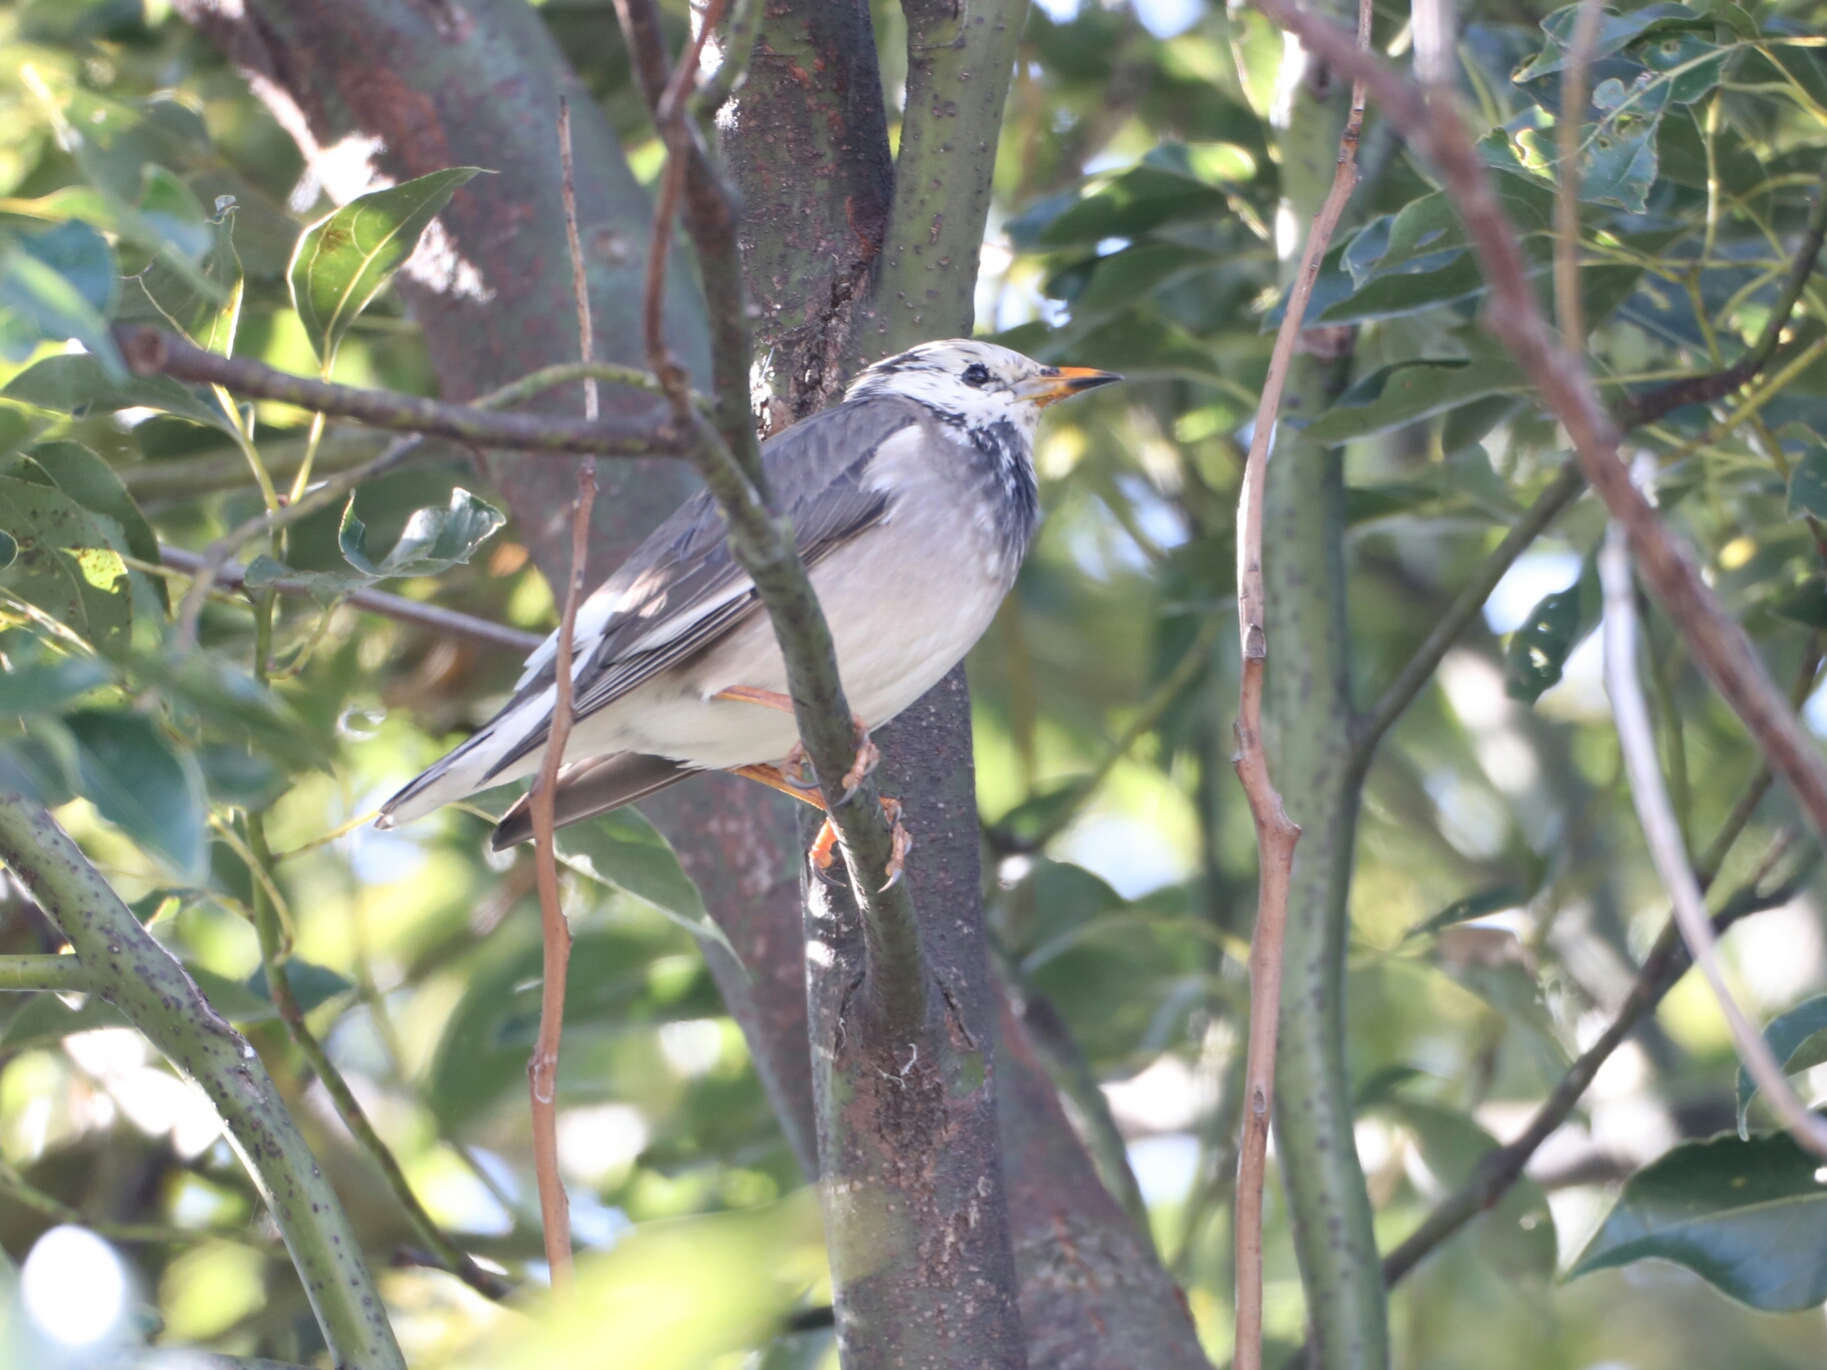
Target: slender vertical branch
column 1567, row 302
column 133, row 972
column 1668, row 850
column 1276, row 833
column 580, row 280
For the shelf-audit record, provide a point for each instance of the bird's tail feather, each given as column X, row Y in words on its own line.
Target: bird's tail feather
column 587, row 788
column 475, row 765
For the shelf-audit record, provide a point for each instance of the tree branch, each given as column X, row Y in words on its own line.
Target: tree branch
column 1466, row 605
column 142, row 979
column 152, row 352
column 59, row 974
column 1716, row 640
column 1634, row 411
column 445, row 622
column 1667, row 848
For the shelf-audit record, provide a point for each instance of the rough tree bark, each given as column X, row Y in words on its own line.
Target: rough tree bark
column 438, row 84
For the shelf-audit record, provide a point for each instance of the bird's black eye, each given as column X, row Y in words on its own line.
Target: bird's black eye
column 977, row 374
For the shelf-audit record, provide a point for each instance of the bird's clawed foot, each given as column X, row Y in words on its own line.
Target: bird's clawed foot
column 796, row 770
column 824, row 848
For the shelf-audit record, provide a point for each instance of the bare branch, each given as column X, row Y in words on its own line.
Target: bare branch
column 1276, row 833
column 152, row 351
column 24, row 974
column 1567, row 301
column 542, row 1070
column 445, row 622
column 1662, row 834
column 580, row 280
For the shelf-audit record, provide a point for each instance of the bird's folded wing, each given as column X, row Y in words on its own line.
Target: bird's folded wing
column 683, row 590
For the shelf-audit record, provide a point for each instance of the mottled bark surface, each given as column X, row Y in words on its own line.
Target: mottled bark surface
column 807, row 143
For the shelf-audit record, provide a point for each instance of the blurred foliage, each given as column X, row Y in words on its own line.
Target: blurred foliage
column 1501, row 899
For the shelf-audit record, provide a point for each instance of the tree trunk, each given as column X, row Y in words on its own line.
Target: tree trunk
column 439, row 84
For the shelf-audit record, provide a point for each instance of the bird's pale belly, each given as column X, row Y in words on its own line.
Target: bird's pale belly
column 890, row 650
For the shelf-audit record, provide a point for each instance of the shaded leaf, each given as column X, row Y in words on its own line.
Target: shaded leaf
column 343, row 261
column 326, row 587
column 224, row 696
column 92, row 483
column 37, row 687
column 1393, row 396
column 311, row 984
column 144, row 786
column 1538, row 650
column 1748, row 1216
column 1798, row 1040
column 433, row 540
column 80, row 385
column 208, row 317
column 47, row 1020
column 238, row 778
column 623, row 850
column 1808, row 484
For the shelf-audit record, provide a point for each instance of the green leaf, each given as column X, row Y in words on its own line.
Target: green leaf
column 434, row 540
column 92, row 483
column 1798, row 1040
column 47, row 1020
column 68, row 564
column 1808, row 484
column 1393, row 396
column 326, row 587
column 208, row 317
column 1748, row 1216
column 623, row 850
column 1538, row 650
column 39, row 688
column 1517, row 1235
column 144, row 786
column 232, row 998
column 1806, row 603
column 1616, row 32
column 311, row 984
column 223, row 696
column 9, row 550
column 80, row 385
column 1470, row 906
column 38, row 303
column 240, row 779
column 1160, row 189
column 343, row 261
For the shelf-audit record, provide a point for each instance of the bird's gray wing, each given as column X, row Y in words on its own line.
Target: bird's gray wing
column 682, row 590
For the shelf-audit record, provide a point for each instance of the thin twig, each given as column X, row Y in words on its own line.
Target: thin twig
column 21, row 1191
column 1276, row 833
column 580, row 281
column 1561, row 492
column 542, row 1070
column 218, row 554
column 151, row 351
column 26, row 974
column 445, row 622
column 1716, row 640
column 1567, row 302
column 1662, row 834
column 1653, row 404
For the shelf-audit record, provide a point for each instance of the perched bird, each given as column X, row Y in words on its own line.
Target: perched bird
column 913, row 502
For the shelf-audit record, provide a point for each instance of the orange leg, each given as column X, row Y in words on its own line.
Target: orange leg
column 867, row 757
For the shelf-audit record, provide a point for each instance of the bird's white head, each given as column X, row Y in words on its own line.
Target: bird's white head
column 975, row 384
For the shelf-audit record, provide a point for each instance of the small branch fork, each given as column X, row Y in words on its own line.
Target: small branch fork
column 1276, row 833
column 1716, row 640
column 1662, row 834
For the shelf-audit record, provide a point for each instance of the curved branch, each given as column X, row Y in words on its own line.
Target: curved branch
column 141, row 978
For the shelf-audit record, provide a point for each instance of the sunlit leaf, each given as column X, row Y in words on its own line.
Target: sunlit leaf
column 209, row 318
column 344, row 260
column 145, row 786
column 434, row 540
column 92, row 483
column 80, row 385
column 53, row 534
column 1749, row 1216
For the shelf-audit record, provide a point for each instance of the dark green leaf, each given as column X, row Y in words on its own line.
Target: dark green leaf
column 238, row 778
column 326, row 587
column 343, row 261
column 1463, row 910
column 1806, row 603
column 40, row 304
column 623, row 850
column 68, row 565
column 227, row 699
column 1749, row 1216
column 311, row 984
column 1398, row 395
column 1538, row 650
column 433, row 540
column 1616, row 32
column 1161, row 189
column 1798, row 1040
column 231, row 998
column 9, row 550
column 1808, row 484
column 139, row 782
column 79, row 385
column 40, row 688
